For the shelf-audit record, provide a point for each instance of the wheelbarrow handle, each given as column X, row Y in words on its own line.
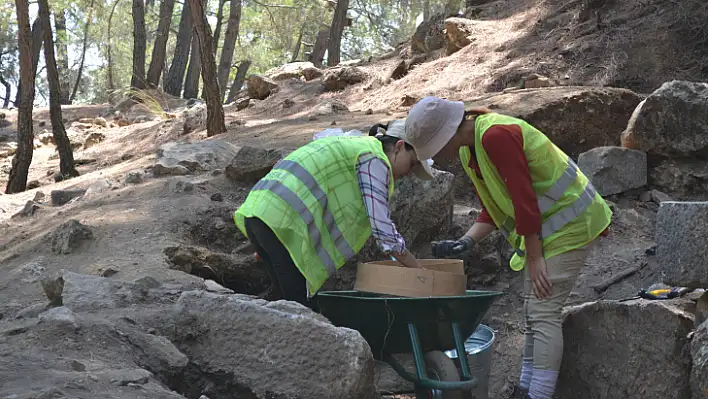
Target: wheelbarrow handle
column 428, row 383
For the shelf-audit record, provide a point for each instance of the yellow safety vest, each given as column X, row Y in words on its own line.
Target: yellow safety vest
column 312, row 202
column 573, row 213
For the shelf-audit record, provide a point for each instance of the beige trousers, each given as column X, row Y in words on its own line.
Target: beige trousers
column 544, row 334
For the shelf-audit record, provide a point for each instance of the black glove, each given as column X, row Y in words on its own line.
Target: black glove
column 447, row 248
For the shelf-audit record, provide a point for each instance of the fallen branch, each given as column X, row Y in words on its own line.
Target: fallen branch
column 603, row 286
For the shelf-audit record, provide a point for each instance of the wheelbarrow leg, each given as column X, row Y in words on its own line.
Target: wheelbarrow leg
column 418, row 355
column 461, row 352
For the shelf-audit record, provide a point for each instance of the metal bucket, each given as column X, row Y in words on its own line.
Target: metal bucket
column 479, row 356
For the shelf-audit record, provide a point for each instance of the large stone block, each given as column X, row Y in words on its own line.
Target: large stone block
column 699, row 354
column 614, row 170
column 630, row 350
column 681, row 233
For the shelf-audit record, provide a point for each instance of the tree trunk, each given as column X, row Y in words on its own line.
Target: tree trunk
column 426, row 10
column 157, row 61
column 191, row 82
column 6, row 101
column 239, row 80
column 339, row 21
column 219, row 22
column 139, row 45
column 320, row 47
column 23, row 157
column 179, row 61
column 62, row 56
column 227, row 51
column 452, row 7
column 83, row 52
column 215, row 110
column 36, row 49
column 111, row 82
column 66, row 155
column 298, row 44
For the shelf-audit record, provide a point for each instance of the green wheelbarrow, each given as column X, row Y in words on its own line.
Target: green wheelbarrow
column 425, row 327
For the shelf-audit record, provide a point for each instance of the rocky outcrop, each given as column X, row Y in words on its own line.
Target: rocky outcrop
column 685, row 179
column 681, row 249
column 184, row 158
column 330, row 107
column 251, row 164
column 429, row 36
column 638, row 335
column 260, row 87
column 69, row 236
column 614, row 170
column 672, row 121
column 235, row 343
column 340, row 78
column 194, row 118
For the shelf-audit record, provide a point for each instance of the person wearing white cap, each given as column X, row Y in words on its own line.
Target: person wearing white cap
column 535, row 194
column 319, row 205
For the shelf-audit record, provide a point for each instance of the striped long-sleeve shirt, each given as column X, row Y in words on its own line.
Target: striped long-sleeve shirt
column 374, row 180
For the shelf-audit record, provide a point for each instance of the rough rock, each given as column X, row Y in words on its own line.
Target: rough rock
column 295, row 70
column 260, row 87
column 388, row 381
column 38, row 197
column 429, row 35
column 61, row 197
column 251, row 163
column 655, row 196
column 70, row 355
column 536, row 82
column 69, row 236
column 100, row 121
column 98, row 187
column 684, row 179
column 280, row 353
column 576, row 119
column 32, row 184
column 681, row 250
column 639, row 335
column 339, row 78
column 53, row 286
column 46, row 138
column 330, row 107
column 672, row 121
column 182, row 158
column 699, row 354
column 614, row 170
column 194, row 118
column 422, row 208
column 242, row 273
column 242, row 103
column 134, row 177
column 399, row 71
column 459, row 33
column 7, row 149
column 28, row 210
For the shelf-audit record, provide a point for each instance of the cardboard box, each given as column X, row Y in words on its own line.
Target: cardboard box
column 441, row 277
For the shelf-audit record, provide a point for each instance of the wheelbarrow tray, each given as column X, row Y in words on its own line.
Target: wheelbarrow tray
column 384, row 321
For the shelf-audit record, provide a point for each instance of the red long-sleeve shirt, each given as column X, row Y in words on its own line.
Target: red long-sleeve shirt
column 504, row 145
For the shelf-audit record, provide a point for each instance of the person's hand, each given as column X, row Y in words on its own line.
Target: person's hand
column 447, row 248
column 540, row 282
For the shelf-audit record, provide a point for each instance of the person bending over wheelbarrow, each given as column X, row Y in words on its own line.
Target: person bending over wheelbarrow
column 535, row 194
column 318, row 206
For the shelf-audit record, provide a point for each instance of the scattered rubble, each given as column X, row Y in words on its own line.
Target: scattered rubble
column 614, row 170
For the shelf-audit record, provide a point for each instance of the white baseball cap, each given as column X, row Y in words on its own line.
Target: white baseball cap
column 423, row 170
column 431, row 123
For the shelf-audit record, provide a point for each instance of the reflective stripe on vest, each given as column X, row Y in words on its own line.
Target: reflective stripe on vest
column 549, row 198
column 287, row 195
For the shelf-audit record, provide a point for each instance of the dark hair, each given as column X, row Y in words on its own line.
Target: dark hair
column 387, row 141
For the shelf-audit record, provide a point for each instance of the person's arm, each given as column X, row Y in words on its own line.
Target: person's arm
column 374, row 179
column 482, row 226
column 504, row 145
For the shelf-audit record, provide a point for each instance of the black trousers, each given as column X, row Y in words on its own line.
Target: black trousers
column 284, row 275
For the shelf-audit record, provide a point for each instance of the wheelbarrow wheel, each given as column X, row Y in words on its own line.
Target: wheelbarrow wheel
column 438, row 366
